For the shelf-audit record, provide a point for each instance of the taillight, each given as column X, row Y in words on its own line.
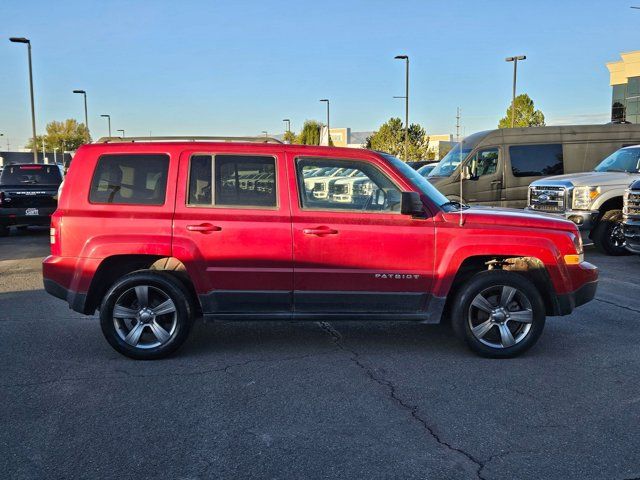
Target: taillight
column 54, row 236
column 1, row 198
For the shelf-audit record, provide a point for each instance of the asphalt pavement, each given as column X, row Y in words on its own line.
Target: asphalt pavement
column 303, row 400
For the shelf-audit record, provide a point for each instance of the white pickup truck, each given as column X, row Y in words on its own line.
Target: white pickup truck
column 592, row 200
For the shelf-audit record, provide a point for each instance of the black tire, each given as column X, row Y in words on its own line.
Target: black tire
column 159, row 286
column 4, row 231
column 464, row 314
column 608, row 236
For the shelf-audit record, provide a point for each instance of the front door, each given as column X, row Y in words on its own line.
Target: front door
column 353, row 249
column 232, row 229
column 485, row 185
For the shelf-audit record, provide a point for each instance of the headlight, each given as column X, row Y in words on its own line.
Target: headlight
column 583, row 196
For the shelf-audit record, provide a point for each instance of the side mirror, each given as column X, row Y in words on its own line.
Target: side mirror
column 467, row 173
column 411, row 204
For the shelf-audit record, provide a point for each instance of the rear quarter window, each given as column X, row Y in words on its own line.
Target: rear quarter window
column 130, row 180
column 536, row 160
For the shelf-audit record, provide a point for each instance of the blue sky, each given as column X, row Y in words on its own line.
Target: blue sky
column 240, row 67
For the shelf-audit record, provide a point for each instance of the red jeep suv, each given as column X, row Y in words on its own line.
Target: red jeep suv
column 157, row 233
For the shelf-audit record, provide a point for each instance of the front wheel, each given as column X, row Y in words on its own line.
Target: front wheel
column 146, row 315
column 608, row 235
column 498, row 314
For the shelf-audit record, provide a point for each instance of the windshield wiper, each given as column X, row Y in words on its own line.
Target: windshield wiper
column 455, row 204
column 617, row 170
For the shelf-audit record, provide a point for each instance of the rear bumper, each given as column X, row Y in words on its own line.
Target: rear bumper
column 18, row 216
column 76, row 301
column 66, row 278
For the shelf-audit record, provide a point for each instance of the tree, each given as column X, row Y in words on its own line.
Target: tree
column 526, row 114
column 310, row 133
column 67, row 135
column 390, row 138
column 289, row 137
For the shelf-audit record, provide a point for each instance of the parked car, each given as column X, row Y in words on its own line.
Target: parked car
column 631, row 217
column 425, row 170
column 420, row 163
column 503, row 163
column 154, row 234
column 592, row 200
column 28, row 194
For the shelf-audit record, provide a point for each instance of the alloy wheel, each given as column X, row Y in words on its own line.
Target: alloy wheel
column 145, row 317
column 500, row 316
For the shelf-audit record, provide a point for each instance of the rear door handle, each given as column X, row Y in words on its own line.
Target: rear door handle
column 204, row 228
column 319, row 231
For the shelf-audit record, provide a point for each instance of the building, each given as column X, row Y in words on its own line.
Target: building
column 439, row 145
column 625, row 83
column 26, row 156
column 344, row 137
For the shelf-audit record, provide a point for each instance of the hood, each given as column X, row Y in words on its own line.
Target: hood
column 511, row 217
column 592, row 179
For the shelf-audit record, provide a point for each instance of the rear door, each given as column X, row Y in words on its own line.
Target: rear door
column 232, row 227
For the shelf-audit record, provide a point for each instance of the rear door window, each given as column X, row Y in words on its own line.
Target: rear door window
column 232, row 181
column 130, row 179
column 536, row 160
column 31, row 175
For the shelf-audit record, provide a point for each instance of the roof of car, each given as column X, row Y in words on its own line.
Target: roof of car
column 236, row 143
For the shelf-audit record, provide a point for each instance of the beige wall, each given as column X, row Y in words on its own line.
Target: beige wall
column 629, row 66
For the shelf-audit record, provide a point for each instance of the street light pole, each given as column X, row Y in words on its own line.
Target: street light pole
column 33, row 108
column 120, row 130
column 406, row 105
column 513, row 96
column 108, row 117
column 328, row 127
column 86, row 116
column 266, row 134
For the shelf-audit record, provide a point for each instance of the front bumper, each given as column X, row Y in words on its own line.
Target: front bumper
column 569, row 301
column 632, row 235
column 585, row 220
column 21, row 216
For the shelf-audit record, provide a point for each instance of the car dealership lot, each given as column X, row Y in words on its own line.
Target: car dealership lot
column 316, row 400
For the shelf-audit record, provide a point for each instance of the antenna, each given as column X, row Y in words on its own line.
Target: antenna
column 462, row 173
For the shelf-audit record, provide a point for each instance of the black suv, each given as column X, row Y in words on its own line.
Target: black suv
column 28, row 194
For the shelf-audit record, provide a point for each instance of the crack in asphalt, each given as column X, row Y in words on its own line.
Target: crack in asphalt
column 126, row 373
column 617, row 305
column 412, row 409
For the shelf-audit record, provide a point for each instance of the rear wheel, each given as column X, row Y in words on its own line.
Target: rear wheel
column 498, row 314
column 146, row 315
column 608, row 235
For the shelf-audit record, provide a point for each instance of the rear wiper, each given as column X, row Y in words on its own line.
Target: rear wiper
column 28, row 181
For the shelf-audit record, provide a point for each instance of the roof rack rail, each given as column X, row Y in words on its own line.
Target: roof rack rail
column 188, row 138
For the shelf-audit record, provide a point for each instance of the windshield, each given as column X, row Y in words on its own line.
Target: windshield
column 458, row 153
column 624, row 160
column 31, row 175
column 417, row 180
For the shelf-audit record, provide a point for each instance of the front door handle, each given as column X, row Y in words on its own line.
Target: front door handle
column 204, row 228
column 319, row 231
column 496, row 182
